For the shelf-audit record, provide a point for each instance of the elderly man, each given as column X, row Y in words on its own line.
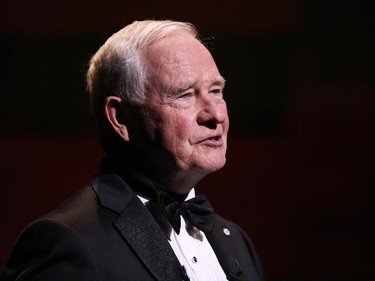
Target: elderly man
column 158, row 100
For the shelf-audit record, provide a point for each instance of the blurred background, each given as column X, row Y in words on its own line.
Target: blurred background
column 300, row 176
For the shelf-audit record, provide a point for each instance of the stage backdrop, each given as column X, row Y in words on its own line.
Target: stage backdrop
column 300, row 175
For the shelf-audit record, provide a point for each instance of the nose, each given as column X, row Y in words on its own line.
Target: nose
column 212, row 111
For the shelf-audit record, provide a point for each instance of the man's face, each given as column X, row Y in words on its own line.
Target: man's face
column 185, row 115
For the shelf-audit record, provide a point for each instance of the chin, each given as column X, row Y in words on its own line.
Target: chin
column 213, row 166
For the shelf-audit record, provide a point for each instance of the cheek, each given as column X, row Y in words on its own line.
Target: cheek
column 182, row 128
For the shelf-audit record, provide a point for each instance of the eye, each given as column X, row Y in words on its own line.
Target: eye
column 217, row 91
column 185, row 95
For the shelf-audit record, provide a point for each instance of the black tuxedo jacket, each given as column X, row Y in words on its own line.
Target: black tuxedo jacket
column 104, row 232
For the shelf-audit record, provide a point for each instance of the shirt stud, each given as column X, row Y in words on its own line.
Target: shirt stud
column 194, row 259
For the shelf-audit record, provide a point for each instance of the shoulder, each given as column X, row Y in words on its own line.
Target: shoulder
column 98, row 203
column 49, row 249
column 77, row 240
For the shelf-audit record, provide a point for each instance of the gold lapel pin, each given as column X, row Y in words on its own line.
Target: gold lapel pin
column 226, row 231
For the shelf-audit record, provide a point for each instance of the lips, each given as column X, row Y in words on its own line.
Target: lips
column 215, row 141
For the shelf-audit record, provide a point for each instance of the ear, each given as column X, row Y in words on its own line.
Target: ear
column 116, row 116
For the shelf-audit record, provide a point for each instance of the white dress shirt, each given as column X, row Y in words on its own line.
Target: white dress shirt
column 194, row 251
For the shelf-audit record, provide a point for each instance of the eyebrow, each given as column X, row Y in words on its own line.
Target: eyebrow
column 217, row 81
column 220, row 80
column 184, row 87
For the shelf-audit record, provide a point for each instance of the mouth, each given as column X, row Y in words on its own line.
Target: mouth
column 215, row 141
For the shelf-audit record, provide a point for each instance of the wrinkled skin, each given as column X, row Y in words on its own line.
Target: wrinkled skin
column 184, row 126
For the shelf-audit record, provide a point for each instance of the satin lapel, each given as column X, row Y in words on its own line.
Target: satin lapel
column 222, row 245
column 144, row 235
column 138, row 227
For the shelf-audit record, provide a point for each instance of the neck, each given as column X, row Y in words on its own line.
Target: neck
column 179, row 182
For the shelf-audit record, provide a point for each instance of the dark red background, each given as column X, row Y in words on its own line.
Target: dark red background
column 300, row 176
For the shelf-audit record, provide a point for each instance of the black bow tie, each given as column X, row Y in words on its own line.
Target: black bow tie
column 197, row 211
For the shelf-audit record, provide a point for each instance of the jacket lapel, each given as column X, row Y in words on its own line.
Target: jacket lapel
column 222, row 245
column 138, row 227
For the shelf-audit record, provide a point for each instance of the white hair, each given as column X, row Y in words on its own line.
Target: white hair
column 118, row 69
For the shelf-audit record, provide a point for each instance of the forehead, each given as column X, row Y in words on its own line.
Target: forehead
column 177, row 59
column 170, row 48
